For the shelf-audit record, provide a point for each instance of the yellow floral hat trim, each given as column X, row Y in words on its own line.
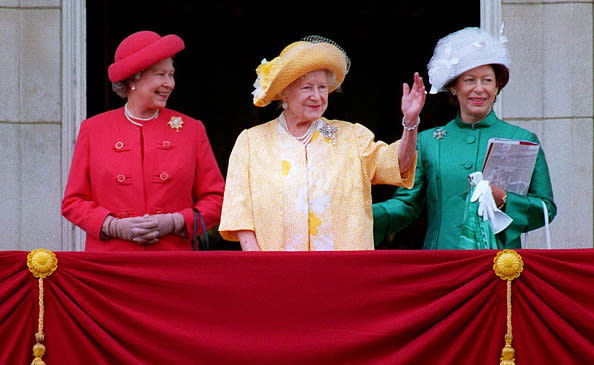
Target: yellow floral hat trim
column 297, row 59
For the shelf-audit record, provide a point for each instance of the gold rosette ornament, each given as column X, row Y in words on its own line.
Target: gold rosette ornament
column 508, row 265
column 42, row 263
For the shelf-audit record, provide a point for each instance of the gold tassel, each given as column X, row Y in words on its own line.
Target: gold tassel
column 42, row 263
column 508, row 352
column 508, row 265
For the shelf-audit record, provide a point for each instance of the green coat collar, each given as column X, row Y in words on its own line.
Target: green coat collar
column 485, row 123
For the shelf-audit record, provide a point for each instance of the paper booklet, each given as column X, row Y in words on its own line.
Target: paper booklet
column 509, row 164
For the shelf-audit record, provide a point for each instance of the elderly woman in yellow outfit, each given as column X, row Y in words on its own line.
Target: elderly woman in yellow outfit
column 302, row 182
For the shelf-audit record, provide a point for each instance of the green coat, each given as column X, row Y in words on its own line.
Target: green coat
column 446, row 156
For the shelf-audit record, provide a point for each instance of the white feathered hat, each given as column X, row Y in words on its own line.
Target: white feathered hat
column 464, row 50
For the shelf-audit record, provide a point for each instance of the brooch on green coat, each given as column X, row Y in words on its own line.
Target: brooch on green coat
column 439, row 133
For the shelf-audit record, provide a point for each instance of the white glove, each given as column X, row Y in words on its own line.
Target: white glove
column 487, row 207
column 484, row 195
column 500, row 221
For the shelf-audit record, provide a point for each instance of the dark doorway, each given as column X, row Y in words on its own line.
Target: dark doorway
column 226, row 40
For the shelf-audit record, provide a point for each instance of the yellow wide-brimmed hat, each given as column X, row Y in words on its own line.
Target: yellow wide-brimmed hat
column 312, row 53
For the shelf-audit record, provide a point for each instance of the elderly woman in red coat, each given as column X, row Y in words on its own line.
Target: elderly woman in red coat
column 139, row 171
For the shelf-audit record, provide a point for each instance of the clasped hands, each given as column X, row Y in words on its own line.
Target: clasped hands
column 143, row 230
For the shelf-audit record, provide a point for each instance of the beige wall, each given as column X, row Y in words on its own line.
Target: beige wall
column 30, row 124
column 550, row 92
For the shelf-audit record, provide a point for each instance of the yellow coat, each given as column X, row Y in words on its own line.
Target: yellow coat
column 315, row 197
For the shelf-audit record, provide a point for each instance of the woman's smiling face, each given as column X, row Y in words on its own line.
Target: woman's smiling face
column 476, row 90
column 154, row 86
column 307, row 97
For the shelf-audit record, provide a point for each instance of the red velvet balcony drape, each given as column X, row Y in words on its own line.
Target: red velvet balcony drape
column 375, row 307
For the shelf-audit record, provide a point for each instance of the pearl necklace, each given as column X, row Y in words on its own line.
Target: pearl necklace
column 128, row 114
column 306, row 138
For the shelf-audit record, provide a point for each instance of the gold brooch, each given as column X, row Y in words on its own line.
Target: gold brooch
column 176, row 123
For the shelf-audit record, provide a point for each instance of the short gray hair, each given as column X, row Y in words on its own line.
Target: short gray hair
column 121, row 88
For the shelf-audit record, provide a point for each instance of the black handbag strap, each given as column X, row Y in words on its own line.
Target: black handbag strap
column 199, row 242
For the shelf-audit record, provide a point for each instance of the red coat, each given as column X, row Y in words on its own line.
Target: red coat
column 124, row 170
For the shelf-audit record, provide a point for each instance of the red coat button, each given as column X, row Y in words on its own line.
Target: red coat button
column 165, row 145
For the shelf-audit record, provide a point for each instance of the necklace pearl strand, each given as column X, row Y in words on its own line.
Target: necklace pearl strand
column 306, row 138
column 128, row 114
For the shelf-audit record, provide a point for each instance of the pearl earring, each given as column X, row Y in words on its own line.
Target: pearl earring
column 133, row 87
column 285, row 105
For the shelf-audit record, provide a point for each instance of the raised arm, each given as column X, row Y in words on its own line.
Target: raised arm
column 413, row 100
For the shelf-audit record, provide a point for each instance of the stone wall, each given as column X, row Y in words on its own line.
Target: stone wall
column 550, row 93
column 30, row 124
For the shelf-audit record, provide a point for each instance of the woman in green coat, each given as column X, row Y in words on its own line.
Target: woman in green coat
column 472, row 66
